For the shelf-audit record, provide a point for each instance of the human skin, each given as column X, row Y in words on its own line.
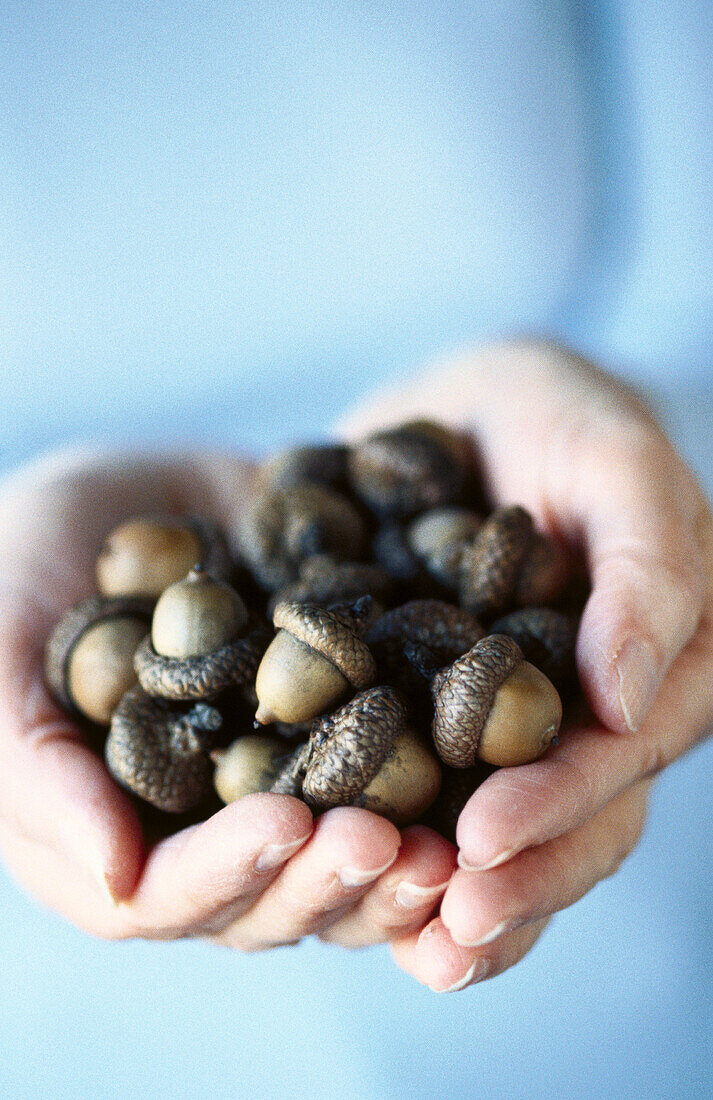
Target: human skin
column 584, row 455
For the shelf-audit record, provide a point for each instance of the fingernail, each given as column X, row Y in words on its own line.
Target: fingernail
column 351, row 877
column 503, row 926
column 116, row 896
column 639, row 676
column 502, row 857
column 272, row 855
column 410, row 896
column 479, row 970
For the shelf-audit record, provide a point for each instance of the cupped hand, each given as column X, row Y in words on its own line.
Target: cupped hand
column 585, row 456
column 258, row 873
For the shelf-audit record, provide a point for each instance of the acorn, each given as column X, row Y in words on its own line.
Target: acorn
column 89, row 657
column 281, row 527
column 508, row 563
column 547, row 639
column 322, row 580
column 438, row 538
column 365, row 755
column 252, row 763
column 325, row 463
column 161, row 754
column 404, row 470
column 316, row 657
column 144, row 555
column 199, row 644
column 493, row 705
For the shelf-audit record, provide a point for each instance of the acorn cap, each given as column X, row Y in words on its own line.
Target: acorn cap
column 182, row 678
column 160, row 754
column 463, row 695
column 401, row 471
column 322, row 462
column 322, row 580
column 282, row 527
column 331, row 633
column 546, row 637
column 490, row 565
column 347, row 748
column 434, row 623
column 72, row 626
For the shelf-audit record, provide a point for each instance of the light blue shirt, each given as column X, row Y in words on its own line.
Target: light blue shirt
column 203, row 205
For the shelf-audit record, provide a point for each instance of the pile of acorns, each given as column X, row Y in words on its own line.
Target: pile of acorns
column 415, row 643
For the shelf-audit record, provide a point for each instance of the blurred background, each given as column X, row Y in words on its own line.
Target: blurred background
column 224, row 223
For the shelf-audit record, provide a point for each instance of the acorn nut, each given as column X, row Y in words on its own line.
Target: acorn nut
column 144, row 555
column 418, row 465
column 438, row 538
column 316, row 657
column 281, row 527
column 161, row 754
column 198, row 645
column 365, row 755
column 196, row 615
column 493, row 705
column 508, row 563
column 246, row 766
column 89, row 657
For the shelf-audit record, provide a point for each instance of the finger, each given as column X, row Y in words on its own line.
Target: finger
column 644, row 516
column 404, row 898
column 349, row 850
column 435, row 960
column 201, row 877
column 55, row 788
column 480, row 906
column 599, row 469
column 517, row 808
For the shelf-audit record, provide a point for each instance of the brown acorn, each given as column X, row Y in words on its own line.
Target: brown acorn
column 547, row 639
column 493, row 705
column 89, row 657
column 508, row 564
column 438, row 538
column 324, row 581
column 255, row 763
column 144, row 555
column 316, row 657
column 364, row 755
column 161, row 754
column 325, row 463
column 282, row 527
column 407, row 469
column 199, row 644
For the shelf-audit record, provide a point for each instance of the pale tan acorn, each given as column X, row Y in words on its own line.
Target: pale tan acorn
column 314, row 660
column 493, row 705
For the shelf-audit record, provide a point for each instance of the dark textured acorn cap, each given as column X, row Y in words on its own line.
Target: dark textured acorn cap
column 72, row 626
column 417, row 465
column 182, row 678
column 322, row 580
column 347, row 748
column 463, row 695
column 490, row 565
column 325, row 463
column 282, row 527
column 434, row 623
column 546, row 637
column 331, row 633
column 290, row 771
column 161, row 754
